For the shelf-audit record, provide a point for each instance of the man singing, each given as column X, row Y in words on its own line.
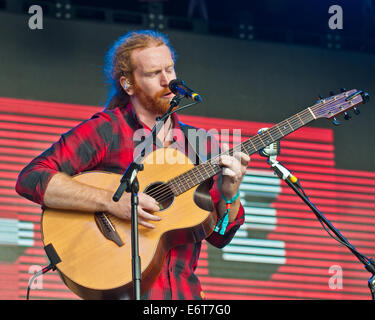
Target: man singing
column 140, row 66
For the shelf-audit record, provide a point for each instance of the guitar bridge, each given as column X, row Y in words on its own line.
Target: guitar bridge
column 107, row 228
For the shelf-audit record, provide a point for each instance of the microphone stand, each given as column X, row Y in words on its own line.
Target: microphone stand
column 129, row 183
column 284, row 174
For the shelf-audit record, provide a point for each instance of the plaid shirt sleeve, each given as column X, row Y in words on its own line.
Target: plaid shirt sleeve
column 78, row 150
column 216, row 239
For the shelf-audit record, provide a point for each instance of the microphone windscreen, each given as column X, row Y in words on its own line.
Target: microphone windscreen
column 173, row 84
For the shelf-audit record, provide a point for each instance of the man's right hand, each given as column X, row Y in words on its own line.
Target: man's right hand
column 146, row 204
column 63, row 192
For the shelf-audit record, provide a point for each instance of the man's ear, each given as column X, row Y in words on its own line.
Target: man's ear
column 127, row 85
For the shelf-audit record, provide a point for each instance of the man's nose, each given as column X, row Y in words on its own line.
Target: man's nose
column 165, row 79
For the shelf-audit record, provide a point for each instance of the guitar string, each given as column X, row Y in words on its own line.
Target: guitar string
column 157, row 191
column 161, row 195
column 296, row 119
column 244, row 145
column 299, row 117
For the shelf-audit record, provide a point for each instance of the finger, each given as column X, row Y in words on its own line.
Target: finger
column 242, row 157
column 228, row 172
column 231, row 163
column 225, row 160
column 145, row 196
column 146, row 215
column 149, row 206
column 146, row 224
column 148, row 203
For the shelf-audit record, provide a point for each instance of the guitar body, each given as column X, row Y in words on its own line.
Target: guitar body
column 93, row 266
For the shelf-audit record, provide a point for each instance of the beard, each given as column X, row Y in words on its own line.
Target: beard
column 156, row 103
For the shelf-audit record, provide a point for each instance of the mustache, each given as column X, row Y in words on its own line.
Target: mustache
column 162, row 93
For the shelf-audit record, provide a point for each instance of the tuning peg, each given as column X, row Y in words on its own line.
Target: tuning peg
column 335, row 121
column 320, row 97
column 356, row 111
column 331, row 93
column 342, row 89
column 347, row 116
column 365, row 97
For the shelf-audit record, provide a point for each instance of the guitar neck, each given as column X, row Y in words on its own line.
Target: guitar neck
column 210, row 168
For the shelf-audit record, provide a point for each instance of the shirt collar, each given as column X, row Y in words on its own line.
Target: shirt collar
column 135, row 123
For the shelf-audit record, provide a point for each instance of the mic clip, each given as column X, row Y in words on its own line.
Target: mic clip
column 280, row 170
column 272, row 149
column 175, row 101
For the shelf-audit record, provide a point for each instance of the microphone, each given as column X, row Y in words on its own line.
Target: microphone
column 178, row 87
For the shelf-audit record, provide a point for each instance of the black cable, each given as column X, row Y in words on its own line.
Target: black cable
column 348, row 245
column 37, row 274
column 184, row 107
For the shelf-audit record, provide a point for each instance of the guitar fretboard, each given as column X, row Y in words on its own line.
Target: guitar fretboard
column 210, row 168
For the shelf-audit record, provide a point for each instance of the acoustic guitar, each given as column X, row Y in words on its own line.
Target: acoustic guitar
column 92, row 251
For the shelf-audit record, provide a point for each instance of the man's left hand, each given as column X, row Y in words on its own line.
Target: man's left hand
column 233, row 170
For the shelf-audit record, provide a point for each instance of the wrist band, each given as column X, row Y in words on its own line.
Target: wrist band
column 223, row 222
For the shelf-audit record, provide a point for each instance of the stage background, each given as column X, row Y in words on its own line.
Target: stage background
column 281, row 252
column 52, row 78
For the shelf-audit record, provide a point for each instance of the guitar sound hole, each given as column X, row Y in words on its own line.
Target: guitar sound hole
column 162, row 193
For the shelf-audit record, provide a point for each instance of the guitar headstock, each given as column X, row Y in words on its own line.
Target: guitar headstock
column 337, row 104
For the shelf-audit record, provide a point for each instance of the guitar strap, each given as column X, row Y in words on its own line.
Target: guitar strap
column 201, row 154
column 200, row 157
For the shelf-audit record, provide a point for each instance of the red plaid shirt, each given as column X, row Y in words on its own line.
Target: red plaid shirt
column 105, row 142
